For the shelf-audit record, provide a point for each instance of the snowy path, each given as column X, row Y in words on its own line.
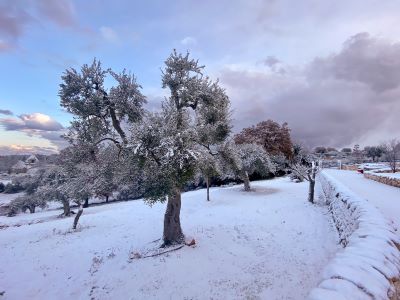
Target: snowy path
column 266, row 244
column 386, row 198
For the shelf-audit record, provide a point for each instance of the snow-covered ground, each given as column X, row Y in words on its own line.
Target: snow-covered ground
column 386, row 198
column 7, row 198
column 265, row 244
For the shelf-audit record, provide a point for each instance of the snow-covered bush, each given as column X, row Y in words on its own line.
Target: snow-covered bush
column 13, row 187
column 26, row 202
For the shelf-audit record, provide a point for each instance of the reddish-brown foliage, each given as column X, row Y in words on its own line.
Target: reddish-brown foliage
column 273, row 137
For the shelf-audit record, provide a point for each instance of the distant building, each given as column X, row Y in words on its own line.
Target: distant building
column 32, row 160
column 19, row 167
column 23, row 166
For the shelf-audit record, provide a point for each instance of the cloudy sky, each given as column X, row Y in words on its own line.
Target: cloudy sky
column 331, row 69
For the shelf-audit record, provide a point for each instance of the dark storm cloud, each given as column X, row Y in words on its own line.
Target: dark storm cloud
column 334, row 101
column 373, row 61
column 271, row 61
column 6, row 112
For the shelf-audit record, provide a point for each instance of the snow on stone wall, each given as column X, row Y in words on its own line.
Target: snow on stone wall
column 370, row 260
column 386, row 178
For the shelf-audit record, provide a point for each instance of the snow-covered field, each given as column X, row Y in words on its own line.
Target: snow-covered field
column 7, row 198
column 265, row 244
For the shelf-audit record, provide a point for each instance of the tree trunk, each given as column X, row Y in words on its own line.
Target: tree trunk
column 86, row 204
column 78, row 215
column 172, row 223
column 67, row 209
column 311, row 191
column 31, row 209
column 246, row 181
column 107, row 199
column 208, row 188
column 311, row 179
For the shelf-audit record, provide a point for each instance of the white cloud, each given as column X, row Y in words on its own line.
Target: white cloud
column 188, row 41
column 109, row 34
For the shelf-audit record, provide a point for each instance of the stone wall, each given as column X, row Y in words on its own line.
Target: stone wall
column 350, row 167
column 368, row 265
column 383, row 179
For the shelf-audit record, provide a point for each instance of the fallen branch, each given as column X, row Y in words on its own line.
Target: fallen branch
column 166, row 251
column 137, row 255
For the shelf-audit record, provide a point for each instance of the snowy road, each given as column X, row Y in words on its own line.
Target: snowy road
column 386, row 198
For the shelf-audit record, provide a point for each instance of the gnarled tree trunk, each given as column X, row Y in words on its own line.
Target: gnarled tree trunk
column 86, row 204
column 172, row 223
column 78, row 215
column 66, row 207
column 246, row 180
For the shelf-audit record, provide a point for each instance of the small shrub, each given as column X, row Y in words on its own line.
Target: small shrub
column 24, row 203
column 11, row 188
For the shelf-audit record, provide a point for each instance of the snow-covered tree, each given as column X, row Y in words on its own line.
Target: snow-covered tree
column 31, row 199
column 209, row 166
column 105, row 169
column 274, row 138
column 100, row 113
column 165, row 145
column 253, row 158
column 52, row 188
column 242, row 160
column 193, row 120
column 303, row 167
column 101, row 116
column 27, row 202
column 392, row 153
column 374, row 152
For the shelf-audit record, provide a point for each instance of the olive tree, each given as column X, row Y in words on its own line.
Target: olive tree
column 165, row 145
column 303, row 167
column 194, row 118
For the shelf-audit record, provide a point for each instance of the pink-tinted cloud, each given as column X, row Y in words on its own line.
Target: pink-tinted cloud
column 35, row 121
column 61, row 12
column 22, row 149
column 16, row 16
